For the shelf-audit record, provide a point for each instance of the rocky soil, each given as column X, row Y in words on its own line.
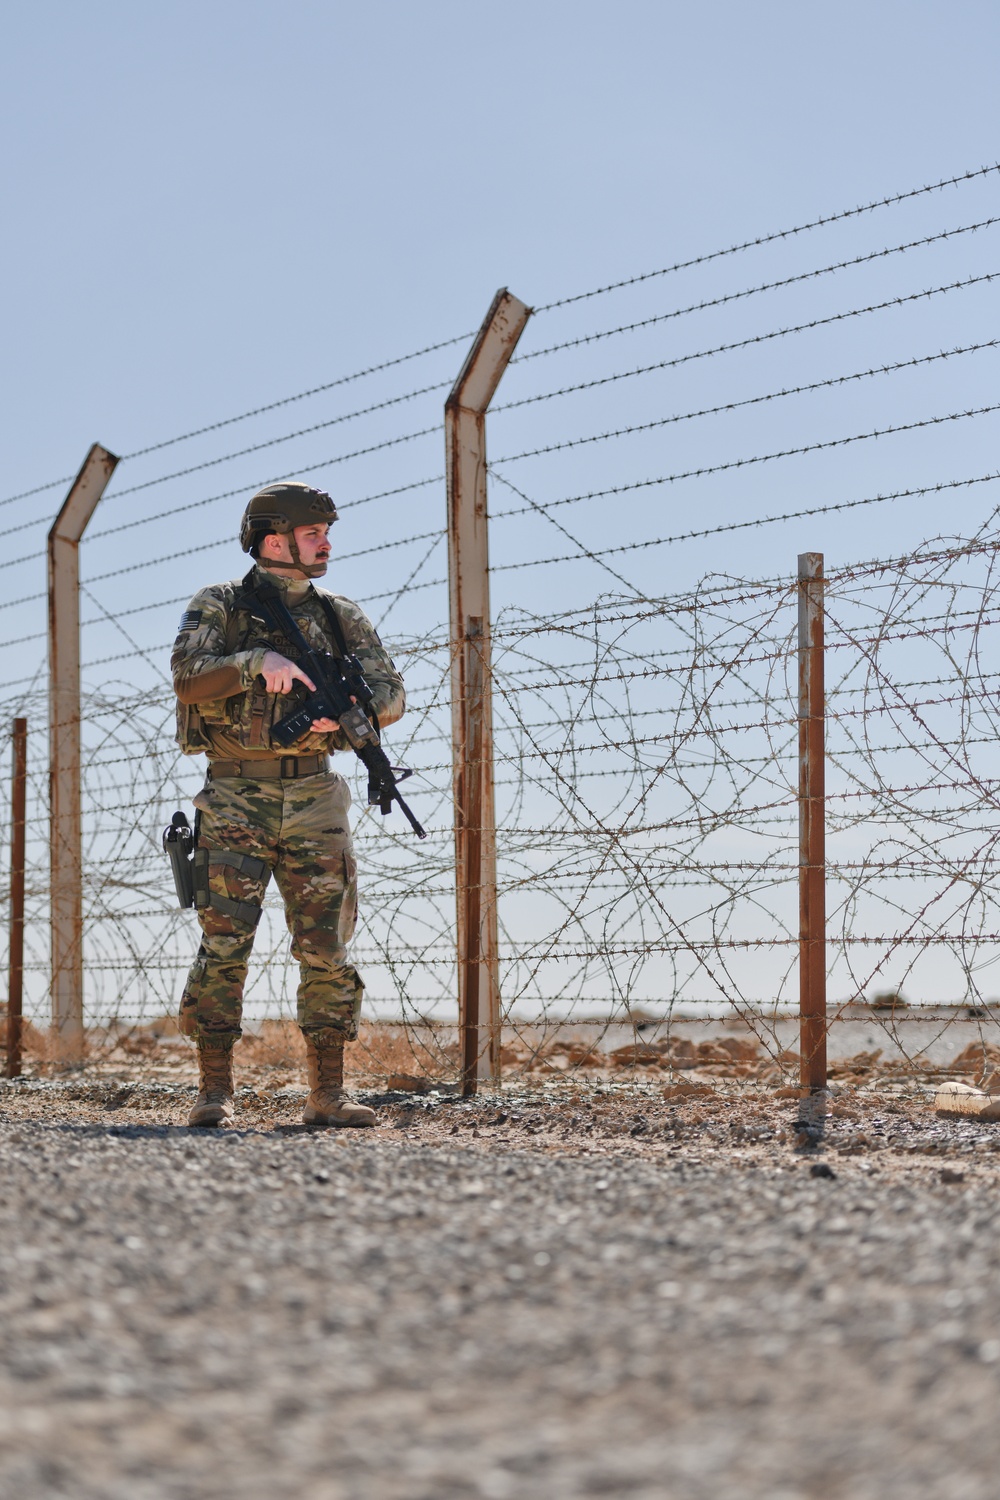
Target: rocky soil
column 558, row 1292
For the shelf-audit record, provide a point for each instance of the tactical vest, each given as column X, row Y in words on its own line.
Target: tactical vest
column 247, row 717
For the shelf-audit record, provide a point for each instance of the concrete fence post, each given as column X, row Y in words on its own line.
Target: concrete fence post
column 15, row 962
column 812, row 825
column 471, row 700
column 65, row 820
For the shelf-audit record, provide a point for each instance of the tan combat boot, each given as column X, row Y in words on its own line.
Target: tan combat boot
column 214, row 1105
column 327, row 1103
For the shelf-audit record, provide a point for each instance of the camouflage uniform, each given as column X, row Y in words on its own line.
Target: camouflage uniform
column 295, row 828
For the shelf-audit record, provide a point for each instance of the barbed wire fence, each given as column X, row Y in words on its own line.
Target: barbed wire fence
column 662, row 449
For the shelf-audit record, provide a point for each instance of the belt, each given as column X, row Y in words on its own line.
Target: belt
column 284, row 768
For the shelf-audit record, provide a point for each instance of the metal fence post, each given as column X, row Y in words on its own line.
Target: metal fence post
column 65, row 826
column 471, row 702
column 15, row 968
column 812, row 826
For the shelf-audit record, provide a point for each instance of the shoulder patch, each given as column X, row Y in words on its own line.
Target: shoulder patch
column 190, row 620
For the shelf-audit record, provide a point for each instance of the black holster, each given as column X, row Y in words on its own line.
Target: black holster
column 178, row 843
column 190, row 867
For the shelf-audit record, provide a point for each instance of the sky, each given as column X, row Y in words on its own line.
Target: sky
column 211, row 205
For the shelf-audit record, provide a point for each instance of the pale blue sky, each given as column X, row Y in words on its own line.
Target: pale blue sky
column 213, row 203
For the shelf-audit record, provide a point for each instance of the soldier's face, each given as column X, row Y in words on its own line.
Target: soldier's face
column 312, row 541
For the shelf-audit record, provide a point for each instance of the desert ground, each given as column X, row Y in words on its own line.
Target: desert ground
column 629, row 1281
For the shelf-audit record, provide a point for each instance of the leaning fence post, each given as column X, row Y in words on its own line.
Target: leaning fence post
column 15, row 962
column 471, row 699
column 65, row 825
column 812, row 826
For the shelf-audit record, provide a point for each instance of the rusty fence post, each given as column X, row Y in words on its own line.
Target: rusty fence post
column 471, row 700
column 812, row 826
column 65, row 820
column 15, row 963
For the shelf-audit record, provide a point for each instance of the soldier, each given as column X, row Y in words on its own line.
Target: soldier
column 263, row 811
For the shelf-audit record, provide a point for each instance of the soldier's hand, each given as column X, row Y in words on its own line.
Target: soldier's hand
column 279, row 673
column 327, row 726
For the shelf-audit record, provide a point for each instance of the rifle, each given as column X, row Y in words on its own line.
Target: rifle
column 339, row 681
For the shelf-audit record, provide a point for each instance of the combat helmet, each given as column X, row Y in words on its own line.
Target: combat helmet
column 280, row 508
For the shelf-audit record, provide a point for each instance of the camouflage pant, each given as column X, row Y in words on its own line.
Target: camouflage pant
column 300, row 831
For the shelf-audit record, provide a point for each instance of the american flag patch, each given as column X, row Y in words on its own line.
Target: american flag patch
column 190, row 619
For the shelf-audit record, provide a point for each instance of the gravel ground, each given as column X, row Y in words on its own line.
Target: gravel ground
column 552, row 1294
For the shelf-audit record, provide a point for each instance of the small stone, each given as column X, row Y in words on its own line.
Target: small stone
column 949, row 1175
column 821, row 1169
column 963, row 1099
column 686, row 1090
column 853, row 1142
column 636, row 1054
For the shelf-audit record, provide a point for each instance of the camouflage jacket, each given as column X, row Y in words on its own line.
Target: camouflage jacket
column 223, row 706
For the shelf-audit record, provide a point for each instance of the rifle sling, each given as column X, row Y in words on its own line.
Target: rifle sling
column 277, row 613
